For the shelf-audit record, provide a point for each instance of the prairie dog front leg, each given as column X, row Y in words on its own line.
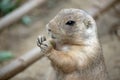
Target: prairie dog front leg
column 62, row 60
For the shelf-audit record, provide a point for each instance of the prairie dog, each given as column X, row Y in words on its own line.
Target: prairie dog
column 74, row 49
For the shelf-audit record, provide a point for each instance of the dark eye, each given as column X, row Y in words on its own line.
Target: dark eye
column 70, row 23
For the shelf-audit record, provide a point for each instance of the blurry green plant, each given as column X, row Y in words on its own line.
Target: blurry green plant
column 7, row 6
column 26, row 20
column 5, row 55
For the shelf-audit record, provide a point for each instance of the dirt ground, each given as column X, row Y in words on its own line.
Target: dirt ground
column 20, row 38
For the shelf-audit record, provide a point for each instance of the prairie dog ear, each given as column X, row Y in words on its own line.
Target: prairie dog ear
column 87, row 22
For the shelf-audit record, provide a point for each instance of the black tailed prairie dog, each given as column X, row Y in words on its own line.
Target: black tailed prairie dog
column 74, row 49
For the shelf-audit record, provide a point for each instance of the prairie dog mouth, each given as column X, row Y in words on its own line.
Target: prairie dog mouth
column 53, row 36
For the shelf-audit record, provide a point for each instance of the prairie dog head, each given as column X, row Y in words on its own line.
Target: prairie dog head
column 73, row 25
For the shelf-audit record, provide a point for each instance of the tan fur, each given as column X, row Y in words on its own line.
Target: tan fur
column 77, row 54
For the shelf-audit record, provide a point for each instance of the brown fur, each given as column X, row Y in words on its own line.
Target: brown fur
column 77, row 54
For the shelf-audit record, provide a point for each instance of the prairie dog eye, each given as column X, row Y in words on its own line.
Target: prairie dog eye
column 70, row 23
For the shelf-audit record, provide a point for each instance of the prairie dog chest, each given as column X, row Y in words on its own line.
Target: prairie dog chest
column 62, row 47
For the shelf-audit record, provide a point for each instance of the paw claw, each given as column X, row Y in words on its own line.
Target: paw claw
column 38, row 40
column 42, row 38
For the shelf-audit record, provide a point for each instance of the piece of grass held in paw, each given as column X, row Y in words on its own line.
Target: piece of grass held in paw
column 52, row 42
column 76, row 52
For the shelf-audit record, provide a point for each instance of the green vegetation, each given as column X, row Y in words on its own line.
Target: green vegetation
column 5, row 55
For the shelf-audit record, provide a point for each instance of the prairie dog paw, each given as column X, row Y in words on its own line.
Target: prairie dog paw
column 44, row 44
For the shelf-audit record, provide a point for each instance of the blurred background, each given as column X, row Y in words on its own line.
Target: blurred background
column 19, row 36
